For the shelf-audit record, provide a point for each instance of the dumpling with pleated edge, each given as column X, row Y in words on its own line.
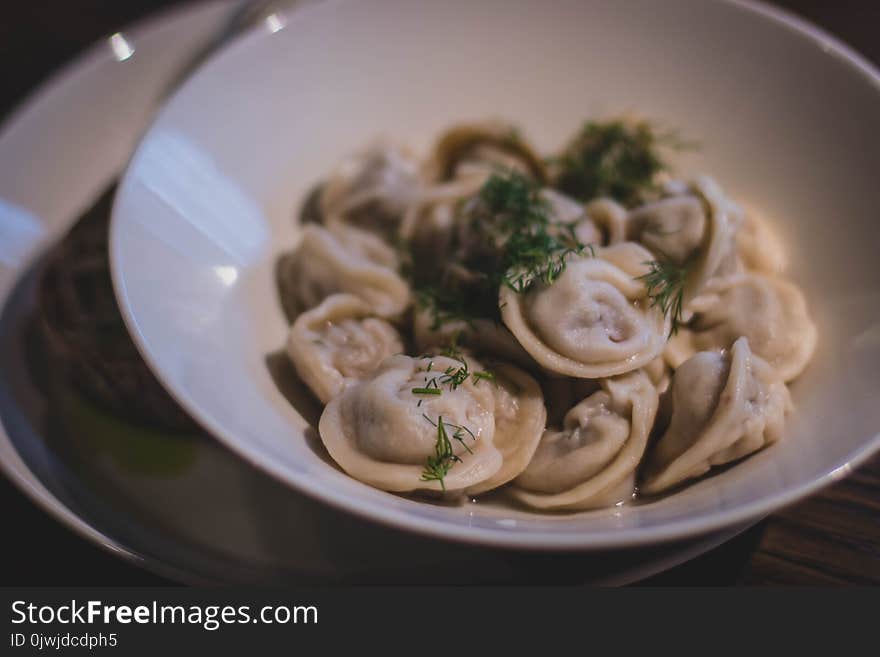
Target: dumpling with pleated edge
column 771, row 312
column 692, row 227
column 590, row 461
column 372, row 188
column 483, row 147
column 725, row 405
column 339, row 342
column 471, row 434
column 595, row 320
column 341, row 258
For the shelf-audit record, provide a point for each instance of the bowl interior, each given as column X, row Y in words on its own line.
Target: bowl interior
column 789, row 125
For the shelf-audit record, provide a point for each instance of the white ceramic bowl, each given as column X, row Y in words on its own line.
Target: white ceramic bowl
column 788, row 121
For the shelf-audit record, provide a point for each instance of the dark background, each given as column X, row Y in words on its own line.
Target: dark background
column 832, row 538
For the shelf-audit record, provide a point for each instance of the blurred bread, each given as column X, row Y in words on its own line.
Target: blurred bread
column 85, row 331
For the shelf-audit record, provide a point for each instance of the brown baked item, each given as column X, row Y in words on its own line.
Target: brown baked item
column 85, row 330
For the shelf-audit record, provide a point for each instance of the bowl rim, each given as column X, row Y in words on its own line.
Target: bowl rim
column 549, row 539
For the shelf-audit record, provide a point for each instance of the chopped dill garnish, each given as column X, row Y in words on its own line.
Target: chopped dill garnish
column 451, row 376
column 441, row 461
column 459, row 375
column 427, row 391
column 483, row 376
column 514, row 200
column 438, row 465
column 665, row 284
column 458, row 433
column 516, row 219
column 455, row 376
column 508, row 238
column 617, row 158
column 536, row 258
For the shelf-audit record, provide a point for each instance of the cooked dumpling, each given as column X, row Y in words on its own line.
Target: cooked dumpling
column 430, row 224
column 609, row 217
column 372, row 189
column 562, row 208
column 478, row 335
column 590, row 462
column 758, row 247
column 755, row 247
column 520, row 416
column 679, row 347
column 384, row 434
column 365, row 244
column 725, row 405
column 600, row 222
column 339, row 342
column 563, row 392
column 769, row 311
column 660, row 373
column 594, row 321
column 691, row 228
column 671, row 228
column 342, row 259
column 481, row 148
column 591, row 271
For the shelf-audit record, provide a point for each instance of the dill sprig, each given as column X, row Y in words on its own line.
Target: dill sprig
column 427, row 390
column 536, row 257
column 483, row 376
column 533, row 248
column 665, row 285
column 452, row 377
column 438, row 465
column 618, row 158
column 512, row 200
column 511, row 240
column 455, row 376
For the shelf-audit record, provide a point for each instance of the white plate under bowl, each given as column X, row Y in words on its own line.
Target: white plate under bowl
column 788, row 121
column 185, row 506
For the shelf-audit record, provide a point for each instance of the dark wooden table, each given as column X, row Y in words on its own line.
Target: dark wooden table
column 832, row 538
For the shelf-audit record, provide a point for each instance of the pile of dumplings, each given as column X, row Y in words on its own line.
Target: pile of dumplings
column 572, row 393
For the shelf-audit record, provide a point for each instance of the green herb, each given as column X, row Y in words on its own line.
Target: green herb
column 455, row 376
column 512, row 240
column 438, row 465
column 483, row 376
column 430, row 387
column 619, row 159
column 533, row 248
column 441, row 461
column 427, row 391
column 537, row 265
column 512, row 200
column 451, row 376
column 665, row 284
